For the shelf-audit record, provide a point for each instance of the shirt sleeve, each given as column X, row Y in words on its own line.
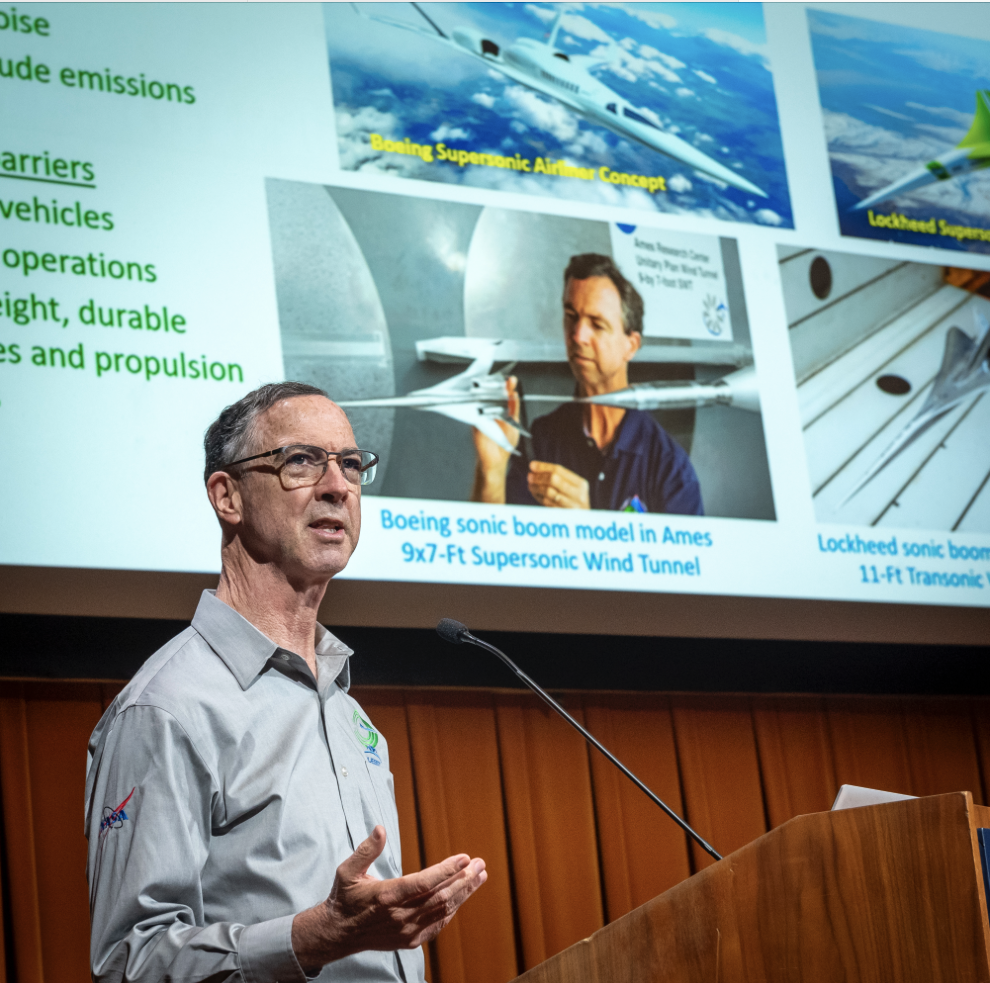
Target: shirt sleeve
column 150, row 803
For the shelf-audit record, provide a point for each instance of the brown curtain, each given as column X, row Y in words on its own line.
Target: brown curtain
column 44, row 729
column 569, row 842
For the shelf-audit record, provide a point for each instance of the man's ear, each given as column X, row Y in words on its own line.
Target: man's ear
column 225, row 497
column 635, row 343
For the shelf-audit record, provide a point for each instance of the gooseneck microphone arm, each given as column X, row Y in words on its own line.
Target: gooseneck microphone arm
column 453, row 631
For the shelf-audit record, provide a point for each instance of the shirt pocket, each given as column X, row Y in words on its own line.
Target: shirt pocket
column 382, row 785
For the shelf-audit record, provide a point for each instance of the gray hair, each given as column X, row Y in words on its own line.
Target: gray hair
column 228, row 435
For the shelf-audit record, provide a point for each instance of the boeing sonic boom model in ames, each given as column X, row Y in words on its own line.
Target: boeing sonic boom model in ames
column 479, row 397
column 566, row 78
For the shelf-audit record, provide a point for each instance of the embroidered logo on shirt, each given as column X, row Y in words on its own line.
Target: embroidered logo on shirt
column 114, row 818
column 634, row 504
column 368, row 737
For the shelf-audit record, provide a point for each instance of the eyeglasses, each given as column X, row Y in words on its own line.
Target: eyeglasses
column 303, row 464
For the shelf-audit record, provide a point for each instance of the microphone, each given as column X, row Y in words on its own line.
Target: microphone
column 457, row 634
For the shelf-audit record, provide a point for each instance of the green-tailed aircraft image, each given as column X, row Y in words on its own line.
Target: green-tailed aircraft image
column 972, row 153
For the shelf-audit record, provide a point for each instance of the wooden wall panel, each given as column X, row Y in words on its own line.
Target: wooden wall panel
column 568, row 842
column 387, row 710
column 798, row 773
column 3, row 920
column 643, row 851
column 58, row 731
column 456, row 767
column 108, row 692
column 870, row 743
column 981, row 723
column 941, row 745
column 720, row 772
column 21, row 845
column 551, row 820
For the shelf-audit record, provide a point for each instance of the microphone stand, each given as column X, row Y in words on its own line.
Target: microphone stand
column 466, row 636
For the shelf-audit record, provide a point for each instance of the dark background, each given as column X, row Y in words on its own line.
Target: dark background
column 62, row 647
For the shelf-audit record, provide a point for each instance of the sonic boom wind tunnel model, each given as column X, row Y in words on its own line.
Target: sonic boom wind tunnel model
column 566, row 79
column 479, row 397
column 965, row 372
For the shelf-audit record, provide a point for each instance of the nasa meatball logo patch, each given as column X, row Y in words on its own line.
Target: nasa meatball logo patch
column 114, row 818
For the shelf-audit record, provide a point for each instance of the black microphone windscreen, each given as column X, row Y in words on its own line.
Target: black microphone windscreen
column 452, row 631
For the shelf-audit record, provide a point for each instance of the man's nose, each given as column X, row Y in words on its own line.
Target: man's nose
column 333, row 484
column 581, row 331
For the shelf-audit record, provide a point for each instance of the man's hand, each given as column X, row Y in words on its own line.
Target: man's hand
column 364, row 912
column 557, row 487
column 493, row 461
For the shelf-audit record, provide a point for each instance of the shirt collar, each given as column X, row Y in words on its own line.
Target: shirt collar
column 330, row 651
column 245, row 650
column 628, row 438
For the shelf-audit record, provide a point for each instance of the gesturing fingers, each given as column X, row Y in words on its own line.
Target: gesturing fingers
column 450, row 896
column 454, row 891
column 424, row 883
column 427, row 914
column 363, row 912
column 366, row 853
column 432, row 879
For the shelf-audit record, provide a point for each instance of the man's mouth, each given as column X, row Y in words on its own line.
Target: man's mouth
column 327, row 524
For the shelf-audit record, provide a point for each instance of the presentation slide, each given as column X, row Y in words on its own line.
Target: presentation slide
column 907, row 118
column 732, row 231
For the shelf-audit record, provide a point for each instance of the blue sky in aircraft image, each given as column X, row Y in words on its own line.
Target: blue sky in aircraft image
column 896, row 103
column 620, row 93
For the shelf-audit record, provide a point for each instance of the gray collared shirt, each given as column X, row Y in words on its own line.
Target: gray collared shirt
column 224, row 786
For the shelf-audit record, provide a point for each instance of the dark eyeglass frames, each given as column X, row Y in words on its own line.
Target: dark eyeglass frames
column 303, row 464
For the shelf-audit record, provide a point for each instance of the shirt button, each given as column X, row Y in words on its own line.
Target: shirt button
column 343, row 770
column 601, row 475
column 284, row 656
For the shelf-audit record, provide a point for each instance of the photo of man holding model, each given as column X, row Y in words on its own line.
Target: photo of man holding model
column 587, row 456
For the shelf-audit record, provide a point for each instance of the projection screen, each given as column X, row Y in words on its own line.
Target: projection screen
column 781, row 211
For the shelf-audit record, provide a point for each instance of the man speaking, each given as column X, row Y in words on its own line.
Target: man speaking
column 587, row 456
column 234, row 774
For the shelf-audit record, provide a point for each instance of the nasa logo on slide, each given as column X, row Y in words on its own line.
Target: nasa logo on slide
column 368, row 737
column 713, row 314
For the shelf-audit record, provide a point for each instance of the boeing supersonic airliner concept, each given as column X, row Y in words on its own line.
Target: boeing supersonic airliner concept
column 566, row 79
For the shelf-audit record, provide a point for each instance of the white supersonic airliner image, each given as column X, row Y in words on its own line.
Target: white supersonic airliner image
column 566, row 78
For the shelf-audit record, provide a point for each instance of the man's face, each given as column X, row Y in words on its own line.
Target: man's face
column 309, row 533
column 598, row 347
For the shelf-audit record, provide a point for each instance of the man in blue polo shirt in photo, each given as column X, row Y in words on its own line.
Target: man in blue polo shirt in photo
column 587, row 456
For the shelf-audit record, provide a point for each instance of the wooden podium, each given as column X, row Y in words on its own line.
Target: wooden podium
column 888, row 892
